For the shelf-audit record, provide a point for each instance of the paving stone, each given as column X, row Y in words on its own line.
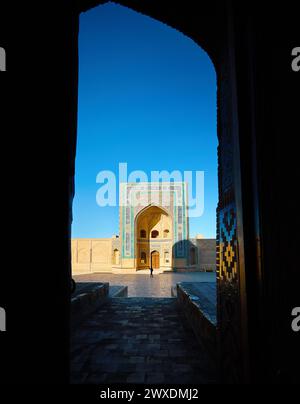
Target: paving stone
column 157, row 377
column 104, row 351
column 136, row 378
column 142, row 285
column 154, row 336
column 137, row 359
column 143, row 336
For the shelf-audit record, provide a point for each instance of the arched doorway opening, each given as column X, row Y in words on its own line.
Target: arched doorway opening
column 116, row 257
column 193, row 255
column 155, row 264
column 150, row 237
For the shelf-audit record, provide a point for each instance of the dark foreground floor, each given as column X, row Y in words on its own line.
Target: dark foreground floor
column 138, row 340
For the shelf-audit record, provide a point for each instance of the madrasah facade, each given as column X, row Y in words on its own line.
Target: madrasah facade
column 153, row 231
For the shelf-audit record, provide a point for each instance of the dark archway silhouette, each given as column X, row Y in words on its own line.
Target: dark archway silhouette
column 256, row 120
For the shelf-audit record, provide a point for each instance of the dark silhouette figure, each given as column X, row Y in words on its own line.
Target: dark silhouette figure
column 151, row 272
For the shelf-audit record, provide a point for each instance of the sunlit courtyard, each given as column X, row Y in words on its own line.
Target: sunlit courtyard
column 142, row 285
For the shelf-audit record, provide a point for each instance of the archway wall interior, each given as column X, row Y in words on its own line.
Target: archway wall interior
column 231, row 296
column 153, row 219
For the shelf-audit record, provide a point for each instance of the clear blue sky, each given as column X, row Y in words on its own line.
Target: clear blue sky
column 147, row 96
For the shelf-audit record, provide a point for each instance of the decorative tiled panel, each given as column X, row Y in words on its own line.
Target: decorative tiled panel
column 228, row 293
column 230, row 330
column 227, row 244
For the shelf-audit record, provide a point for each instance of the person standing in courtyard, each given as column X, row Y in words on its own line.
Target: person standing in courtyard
column 151, row 271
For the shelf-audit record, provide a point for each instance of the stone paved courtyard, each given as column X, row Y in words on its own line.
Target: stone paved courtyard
column 138, row 340
column 141, row 285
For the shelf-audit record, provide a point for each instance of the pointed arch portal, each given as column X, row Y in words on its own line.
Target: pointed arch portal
column 151, row 222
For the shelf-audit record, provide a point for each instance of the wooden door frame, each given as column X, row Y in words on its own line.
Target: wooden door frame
column 158, row 255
